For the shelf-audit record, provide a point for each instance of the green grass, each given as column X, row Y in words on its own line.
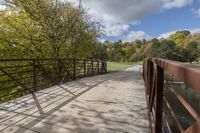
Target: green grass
column 114, row 66
column 196, row 63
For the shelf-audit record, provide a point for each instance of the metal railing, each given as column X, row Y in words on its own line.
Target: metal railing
column 166, row 103
column 20, row 77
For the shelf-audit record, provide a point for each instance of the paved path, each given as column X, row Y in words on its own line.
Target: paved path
column 102, row 104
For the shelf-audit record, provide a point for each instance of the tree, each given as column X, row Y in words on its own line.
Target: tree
column 138, row 43
column 153, row 51
column 192, row 51
column 179, row 36
column 20, row 36
column 101, row 52
column 62, row 28
column 128, row 53
column 144, row 41
column 167, row 49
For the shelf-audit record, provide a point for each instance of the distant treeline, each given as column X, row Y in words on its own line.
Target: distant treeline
column 180, row 46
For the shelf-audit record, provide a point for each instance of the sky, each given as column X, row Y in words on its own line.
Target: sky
column 129, row 20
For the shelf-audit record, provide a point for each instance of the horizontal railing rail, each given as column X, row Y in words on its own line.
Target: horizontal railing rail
column 20, row 77
column 42, row 59
column 170, row 107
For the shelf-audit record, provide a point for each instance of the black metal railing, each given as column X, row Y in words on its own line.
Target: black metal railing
column 20, row 77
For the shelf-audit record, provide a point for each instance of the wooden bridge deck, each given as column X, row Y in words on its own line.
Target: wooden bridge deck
column 101, row 104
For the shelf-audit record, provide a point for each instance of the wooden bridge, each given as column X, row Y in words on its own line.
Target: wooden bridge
column 80, row 97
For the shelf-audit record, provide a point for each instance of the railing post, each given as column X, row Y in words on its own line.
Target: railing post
column 105, row 66
column 92, row 67
column 159, row 99
column 150, row 76
column 84, row 67
column 34, row 76
column 74, row 69
column 97, row 66
column 145, row 69
column 59, row 71
column 149, row 81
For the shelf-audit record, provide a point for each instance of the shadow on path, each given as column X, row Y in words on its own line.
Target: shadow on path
column 104, row 109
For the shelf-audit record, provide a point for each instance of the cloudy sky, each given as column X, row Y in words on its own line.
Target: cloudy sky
column 137, row 19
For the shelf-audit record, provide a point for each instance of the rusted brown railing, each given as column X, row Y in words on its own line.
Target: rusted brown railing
column 19, row 77
column 163, row 98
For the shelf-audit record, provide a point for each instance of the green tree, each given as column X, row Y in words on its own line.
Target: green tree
column 179, row 36
column 167, row 49
column 138, row 43
column 63, row 29
column 20, row 36
column 128, row 53
column 193, row 52
column 154, row 50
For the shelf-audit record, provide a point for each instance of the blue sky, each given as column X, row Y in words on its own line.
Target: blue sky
column 129, row 20
column 169, row 20
column 165, row 22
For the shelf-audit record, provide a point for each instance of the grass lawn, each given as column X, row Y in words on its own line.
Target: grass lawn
column 114, row 66
column 196, row 63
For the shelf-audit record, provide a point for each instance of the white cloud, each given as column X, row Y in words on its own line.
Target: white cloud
column 102, row 40
column 195, row 31
column 118, row 11
column 133, row 35
column 116, row 16
column 116, row 30
column 168, row 4
column 2, row 7
column 127, row 11
column 167, row 34
column 196, row 12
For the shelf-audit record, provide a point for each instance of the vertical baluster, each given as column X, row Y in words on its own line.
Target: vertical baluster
column 150, row 80
column 105, row 66
column 159, row 99
column 92, row 67
column 84, row 67
column 59, row 71
column 34, row 75
column 74, row 69
column 98, row 67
